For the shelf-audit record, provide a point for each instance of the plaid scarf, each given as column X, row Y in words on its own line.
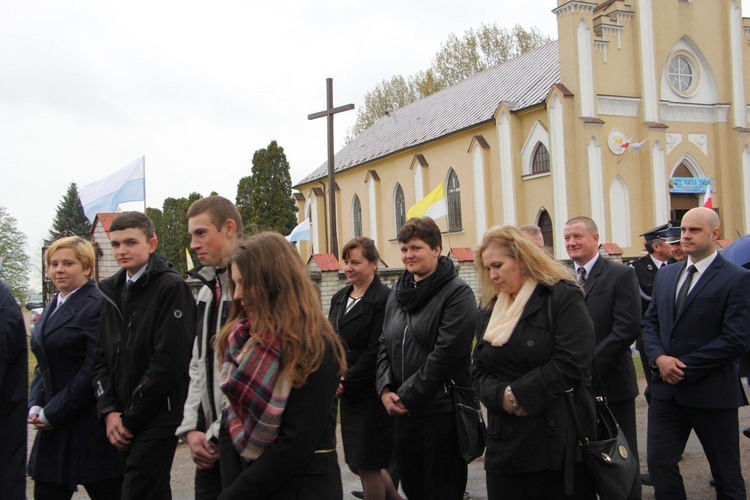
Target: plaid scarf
column 256, row 393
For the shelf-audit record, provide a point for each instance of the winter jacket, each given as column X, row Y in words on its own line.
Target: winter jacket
column 426, row 344
column 204, row 400
column 142, row 357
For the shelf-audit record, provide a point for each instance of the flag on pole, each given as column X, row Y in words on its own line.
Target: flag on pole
column 189, row 260
column 126, row 184
column 707, row 200
column 301, row 232
column 433, row 205
column 636, row 146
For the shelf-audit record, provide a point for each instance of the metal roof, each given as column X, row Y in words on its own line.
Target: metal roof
column 520, row 82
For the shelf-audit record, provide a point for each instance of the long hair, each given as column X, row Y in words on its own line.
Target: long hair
column 280, row 298
column 539, row 265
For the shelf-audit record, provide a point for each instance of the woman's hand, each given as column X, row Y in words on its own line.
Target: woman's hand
column 34, row 420
column 392, row 403
column 511, row 405
column 340, row 389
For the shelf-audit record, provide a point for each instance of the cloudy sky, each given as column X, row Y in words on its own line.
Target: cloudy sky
column 86, row 87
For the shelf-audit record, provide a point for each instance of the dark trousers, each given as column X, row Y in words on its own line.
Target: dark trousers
column 106, row 489
column 428, row 459
column 669, row 426
column 541, row 485
column 208, row 483
column 147, row 466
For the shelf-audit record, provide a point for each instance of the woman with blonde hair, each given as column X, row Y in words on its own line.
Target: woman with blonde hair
column 281, row 365
column 535, row 341
column 71, row 445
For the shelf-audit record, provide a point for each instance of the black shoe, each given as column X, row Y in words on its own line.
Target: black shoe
column 358, row 494
column 646, row 479
column 712, row 482
column 746, row 432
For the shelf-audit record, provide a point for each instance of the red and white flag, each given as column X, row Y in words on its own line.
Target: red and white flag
column 707, row 200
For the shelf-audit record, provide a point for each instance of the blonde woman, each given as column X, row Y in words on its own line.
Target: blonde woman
column 281, row 365
column 535, row 341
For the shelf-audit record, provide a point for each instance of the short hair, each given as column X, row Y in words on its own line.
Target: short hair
column 531, row 229
column 369, row 250
column 219, row 210
column 83, row 249
column 423, row 228
column 649, row 244
column 587, row 221
column 135, row 220
column 537, row 262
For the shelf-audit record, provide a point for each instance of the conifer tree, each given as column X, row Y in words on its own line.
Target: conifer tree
column 70, row 218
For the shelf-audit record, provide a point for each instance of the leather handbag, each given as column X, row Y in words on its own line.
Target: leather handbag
column 469, row 422
column 610, row 464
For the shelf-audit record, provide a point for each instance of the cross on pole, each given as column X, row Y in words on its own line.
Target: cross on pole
column 329, row 112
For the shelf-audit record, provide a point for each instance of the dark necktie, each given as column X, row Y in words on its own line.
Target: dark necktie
column 217, row 293
column 581, row 276
column 126, row 291
column 684, row 289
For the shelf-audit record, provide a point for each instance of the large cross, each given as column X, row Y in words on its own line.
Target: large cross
column 329, row 112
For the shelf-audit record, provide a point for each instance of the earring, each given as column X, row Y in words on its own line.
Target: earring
column 523, row 271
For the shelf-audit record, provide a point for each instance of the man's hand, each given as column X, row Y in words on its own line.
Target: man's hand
column 117, row 434
column 205, row 453
column 670, row 369
column 41, row 426
column 392, row 403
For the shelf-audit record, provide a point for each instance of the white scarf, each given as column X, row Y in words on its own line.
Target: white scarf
column 506, row 313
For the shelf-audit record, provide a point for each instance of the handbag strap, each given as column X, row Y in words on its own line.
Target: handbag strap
column 570, row 399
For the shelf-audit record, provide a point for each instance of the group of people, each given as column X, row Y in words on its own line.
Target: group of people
column 249, row 374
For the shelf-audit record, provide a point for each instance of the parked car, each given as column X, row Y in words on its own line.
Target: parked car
column 35, row 300
column 35, row 313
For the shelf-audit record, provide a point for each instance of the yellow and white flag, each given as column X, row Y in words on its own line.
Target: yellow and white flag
column 189, row 259
column 433, row 205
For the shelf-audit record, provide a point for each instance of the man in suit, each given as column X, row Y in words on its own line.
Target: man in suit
column 693, row 333
column 611, row 295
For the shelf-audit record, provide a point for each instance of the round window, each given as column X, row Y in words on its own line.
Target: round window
column 683, row 74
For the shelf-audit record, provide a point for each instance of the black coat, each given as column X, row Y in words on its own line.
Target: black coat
column 142, row 358
column 540, row 362
column 13, row 394
column 360, row 330
column 76, row 450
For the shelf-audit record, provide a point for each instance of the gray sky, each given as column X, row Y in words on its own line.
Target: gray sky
column 86, row 87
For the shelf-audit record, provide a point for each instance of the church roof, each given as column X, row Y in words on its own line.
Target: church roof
column 520, row 83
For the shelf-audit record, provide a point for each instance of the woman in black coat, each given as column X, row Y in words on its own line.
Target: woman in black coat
column 357, row 316
column 535, row 341
column 71, row 446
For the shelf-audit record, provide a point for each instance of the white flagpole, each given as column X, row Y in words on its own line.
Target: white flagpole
column 144, row 184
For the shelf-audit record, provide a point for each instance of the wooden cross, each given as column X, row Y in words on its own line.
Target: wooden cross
column 329, row 112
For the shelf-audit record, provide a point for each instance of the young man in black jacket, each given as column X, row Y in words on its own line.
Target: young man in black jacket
column 141, row 360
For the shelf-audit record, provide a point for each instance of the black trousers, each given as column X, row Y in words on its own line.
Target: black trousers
column 148, row 463
column 106, row 489
column 669, row 426
column 540, row 485
column 428, row 459
column 208, row 482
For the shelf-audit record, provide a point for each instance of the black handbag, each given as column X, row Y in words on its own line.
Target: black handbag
column 611, row 466
column 469, row 422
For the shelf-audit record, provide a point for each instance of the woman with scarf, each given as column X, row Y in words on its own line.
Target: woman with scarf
column 281, row 365
column 426, row 344
column 357, row 316
column 535, row 341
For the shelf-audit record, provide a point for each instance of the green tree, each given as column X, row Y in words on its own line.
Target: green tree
column 70, row 217
column 457, row 59
column 266, row 197
column 15, row 262
column 172, row 231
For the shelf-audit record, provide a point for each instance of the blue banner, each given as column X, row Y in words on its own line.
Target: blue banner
column 689, row 185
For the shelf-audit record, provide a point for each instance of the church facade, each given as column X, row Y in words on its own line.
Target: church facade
column 628, row 118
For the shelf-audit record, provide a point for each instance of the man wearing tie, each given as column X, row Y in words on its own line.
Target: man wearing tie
column 693, row 333
column 611, row 296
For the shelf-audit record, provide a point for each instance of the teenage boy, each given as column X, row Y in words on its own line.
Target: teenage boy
column 214, row 224
column 141, row 360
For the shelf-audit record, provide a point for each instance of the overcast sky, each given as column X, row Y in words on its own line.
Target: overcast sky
column 86, row 87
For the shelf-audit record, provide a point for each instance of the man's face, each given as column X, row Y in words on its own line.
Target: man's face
column 581, row 244
column 677, row 252
column 698, row 238
column 211, row 244
column 132, row 248
column 662, row 251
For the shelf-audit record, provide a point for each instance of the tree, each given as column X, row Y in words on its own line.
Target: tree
column 457, row 59
column 172, row 230
column 15, row 262
column 70, row 217
column 265, row 198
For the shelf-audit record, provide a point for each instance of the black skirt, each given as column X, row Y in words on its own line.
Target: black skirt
column 367, row 433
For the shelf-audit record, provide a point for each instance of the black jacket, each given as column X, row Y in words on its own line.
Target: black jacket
column 539, row 362
column 142, row 357
column 418, row 361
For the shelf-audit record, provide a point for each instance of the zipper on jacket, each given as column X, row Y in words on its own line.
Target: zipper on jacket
column 403, row 347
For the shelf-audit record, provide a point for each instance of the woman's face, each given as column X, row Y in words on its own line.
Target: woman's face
column 66, row 271
column 359, row 271
column 419, row 259
column 505, row 271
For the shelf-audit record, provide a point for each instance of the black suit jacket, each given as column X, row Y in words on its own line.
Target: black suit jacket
column 709, row 334
column 613, row 302
column 360, row 331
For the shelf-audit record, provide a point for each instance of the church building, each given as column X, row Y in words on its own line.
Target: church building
column 628, row 118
